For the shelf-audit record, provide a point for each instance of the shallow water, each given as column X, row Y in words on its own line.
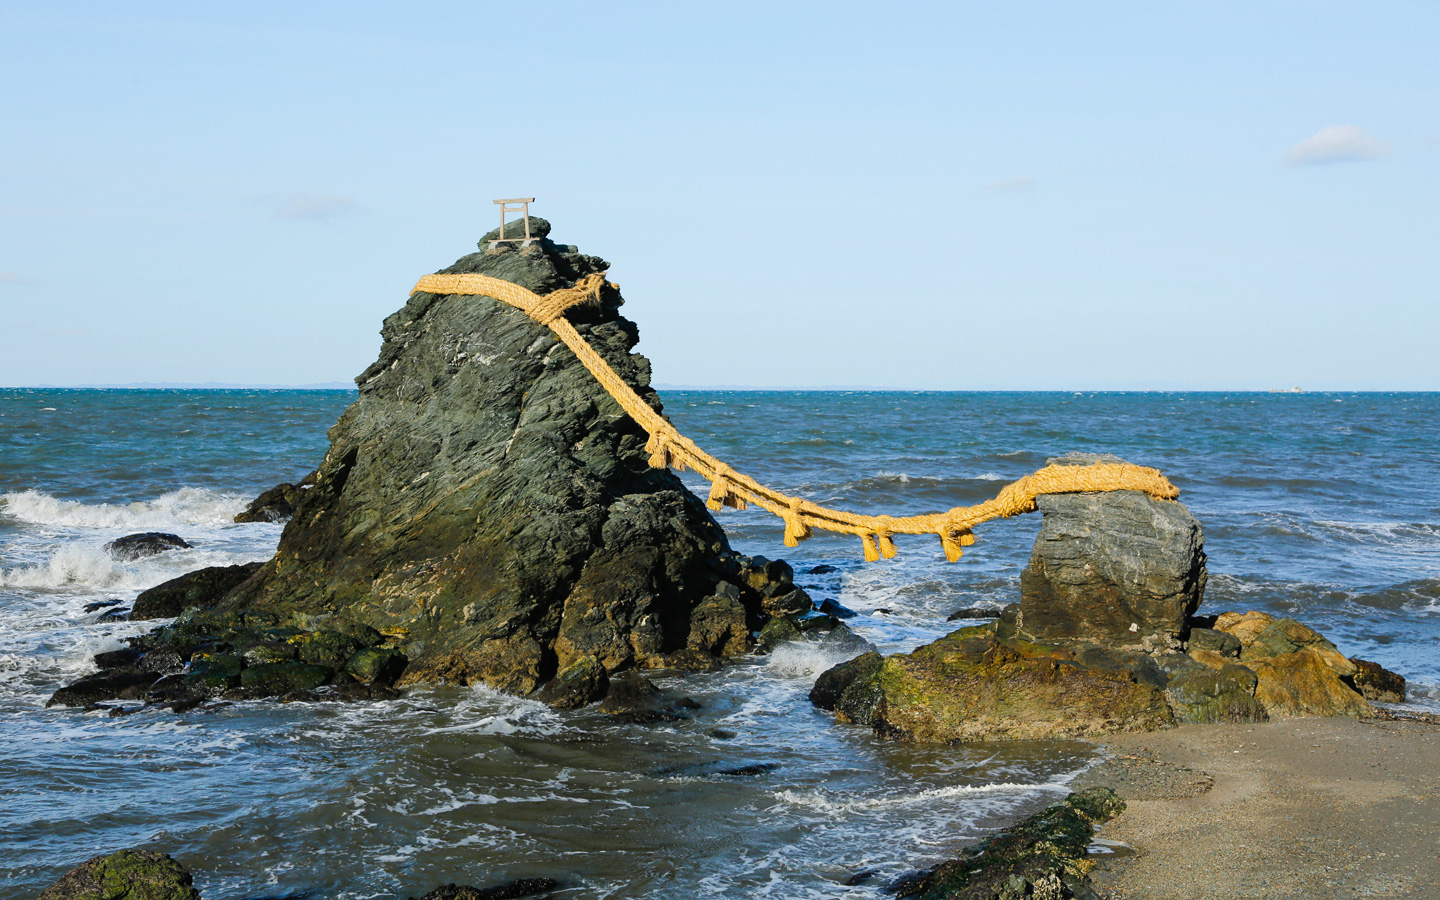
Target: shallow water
column 1324, row 507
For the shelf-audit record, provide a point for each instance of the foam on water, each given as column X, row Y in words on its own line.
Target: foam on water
column 187, row 506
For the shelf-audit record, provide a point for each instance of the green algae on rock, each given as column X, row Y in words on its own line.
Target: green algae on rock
column 125, row 875
column 1043, row 856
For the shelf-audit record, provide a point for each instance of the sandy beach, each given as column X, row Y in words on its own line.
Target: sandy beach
column 1298, row 808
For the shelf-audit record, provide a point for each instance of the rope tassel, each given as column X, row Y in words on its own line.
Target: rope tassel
column 871, row 554
column 955, row 539
column 882, row 536
column 795, row 528
column 659, row 449
column 722, row 493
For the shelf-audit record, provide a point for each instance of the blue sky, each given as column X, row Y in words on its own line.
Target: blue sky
column 950, row 196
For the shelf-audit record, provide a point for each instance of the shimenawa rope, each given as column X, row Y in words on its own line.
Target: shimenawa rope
column 668, row 448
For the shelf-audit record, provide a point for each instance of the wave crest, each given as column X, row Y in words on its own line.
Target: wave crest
column 187, row 506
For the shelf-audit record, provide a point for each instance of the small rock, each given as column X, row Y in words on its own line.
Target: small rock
column 376, row 666
column 832, row 608
column 149, row 543
column 974, row 612
column 277, row 504
column 100, row 604
column 717, row 623
column 126, row 875
column 125, row 683
column 581, row 683
column 201, row 588
column 785, row 599
column 629, row 692
column 833, row 681
column 283, row 679
column 510, row 890
column 1244, row 626
column 821, row 570
column 1377, row 683
column 211, row 674
column 331, row 649
column 1204, row 696
column 115, row 659
column 1221, row 642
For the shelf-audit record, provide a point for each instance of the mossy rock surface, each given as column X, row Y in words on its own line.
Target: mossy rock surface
column 973, row 686
column 1207, row 696
column 126, row 875
column 376, row 666
column 279, row 679
column 1041, row 856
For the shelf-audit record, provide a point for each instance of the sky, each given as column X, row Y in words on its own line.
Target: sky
column 953, row 196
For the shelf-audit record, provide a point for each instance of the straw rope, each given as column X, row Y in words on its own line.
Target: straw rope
column 668, row 448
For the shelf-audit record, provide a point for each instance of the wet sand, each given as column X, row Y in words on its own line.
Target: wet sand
column 1299, row 808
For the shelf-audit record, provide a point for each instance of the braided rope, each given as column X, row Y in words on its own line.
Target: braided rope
column 668, row 448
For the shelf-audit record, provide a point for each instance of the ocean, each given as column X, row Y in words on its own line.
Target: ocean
column 1320, row 506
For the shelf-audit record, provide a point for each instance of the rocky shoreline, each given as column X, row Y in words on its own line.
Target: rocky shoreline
column 485, row 514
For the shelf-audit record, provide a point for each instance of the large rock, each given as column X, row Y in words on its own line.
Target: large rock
column 485, row 498
column 126, row 875
column 974, row 686
column 1299, row 672
column 1119, row 568
column 204, row 587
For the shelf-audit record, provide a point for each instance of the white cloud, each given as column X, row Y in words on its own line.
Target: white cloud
column 11, row 278
column 1336, row 143
column 315, row 206
column 1012, row 185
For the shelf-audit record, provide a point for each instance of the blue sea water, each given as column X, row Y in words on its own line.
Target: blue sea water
column 1325, row 507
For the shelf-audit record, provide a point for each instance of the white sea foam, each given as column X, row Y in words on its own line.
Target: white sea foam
column 824, row 801
column 187, row 506
column 807, row 659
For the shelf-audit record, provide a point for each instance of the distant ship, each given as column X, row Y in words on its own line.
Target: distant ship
column 1297, row 389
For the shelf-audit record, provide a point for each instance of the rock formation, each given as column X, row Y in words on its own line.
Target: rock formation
column 1104, row 639
column 486, row 503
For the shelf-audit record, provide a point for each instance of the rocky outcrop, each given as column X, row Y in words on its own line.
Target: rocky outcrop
column 126, row 875
column 150, row 543
column 486, row 499
column 201, row 588
column 510, row 890
column 1043, row 856
column 208, row 654
column 1120, row 569
column 1104, row 639
column 975, row 685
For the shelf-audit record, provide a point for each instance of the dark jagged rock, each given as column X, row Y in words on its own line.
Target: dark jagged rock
column 1119, row 568
column 149, row 543
column 126, row 875
column 486, row 497
column 834, row 608
column 277, row 504
column 376, row 666
column 510, row 890
column 124, row 683
column 833, row 682
column 204, row 587
column 974, row 612
column 1043, row 856
column 1377, row 683
column 115, row 659
column 580, row 684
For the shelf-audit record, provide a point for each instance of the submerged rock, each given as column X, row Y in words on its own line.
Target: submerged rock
column 150, row 543
column 580, row 684
column 510, row 890
column 486, row 497
column 125, row 875
column 123, row 683
column 1043, row 856
column 1118, row 568
column 204, row 587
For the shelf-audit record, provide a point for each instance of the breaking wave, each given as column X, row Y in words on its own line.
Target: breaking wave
column 187, row 506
